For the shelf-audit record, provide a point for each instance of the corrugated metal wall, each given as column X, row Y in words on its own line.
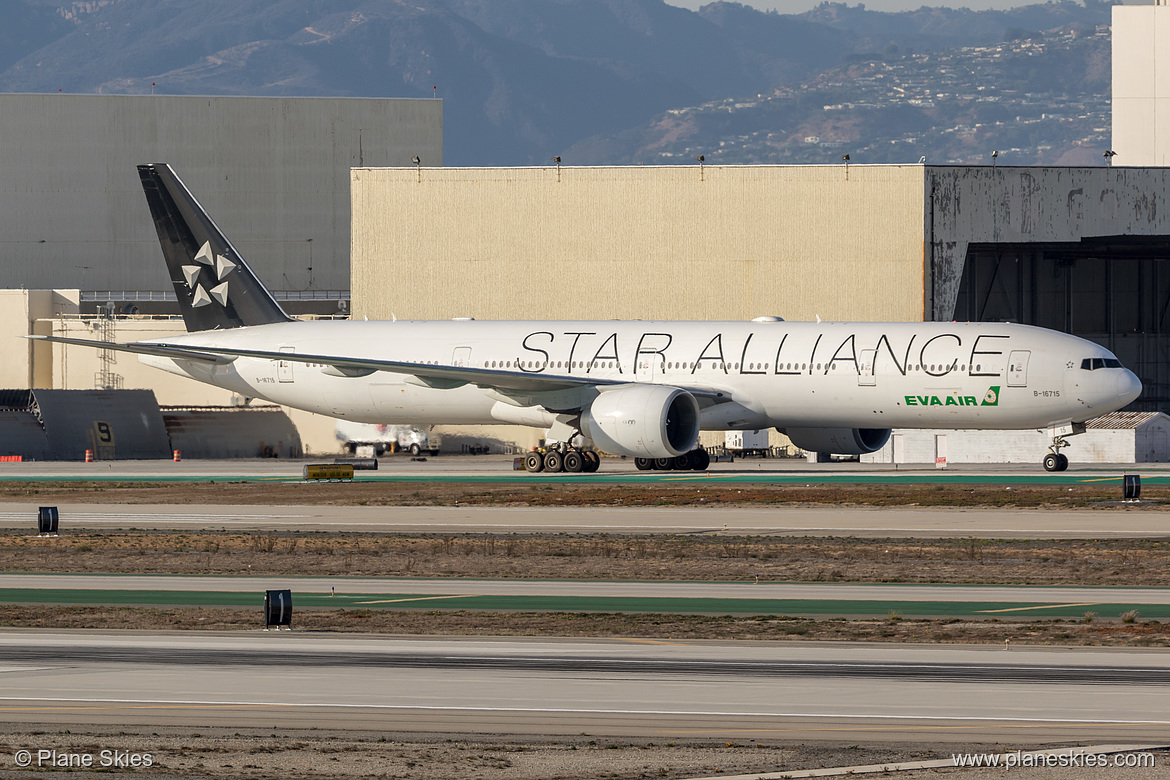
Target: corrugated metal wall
column 115, row 424
column 274, row 172
column 233, row 433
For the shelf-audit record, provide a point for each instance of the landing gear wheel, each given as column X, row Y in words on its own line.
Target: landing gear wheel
column 1052, row 462
column 534, row 461
column 643, row 464
column 592, row 461
column 415, row 450
column 664, row 464
column 682, row 463
column 573, row 461
column 553, row 462
column 699, row 460
column 1063, row 465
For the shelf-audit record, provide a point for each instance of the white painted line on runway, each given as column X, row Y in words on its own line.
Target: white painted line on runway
column 938, row 763
column 420, row 598
column 128, row 514
column 571, row 711
column 1042, row 606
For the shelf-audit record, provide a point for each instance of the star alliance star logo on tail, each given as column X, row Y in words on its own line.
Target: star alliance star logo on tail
column 219, row 265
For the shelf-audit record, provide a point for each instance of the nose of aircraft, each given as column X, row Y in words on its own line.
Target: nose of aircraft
column 1129, row 387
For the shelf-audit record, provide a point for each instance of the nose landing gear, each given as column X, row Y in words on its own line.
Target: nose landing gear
column 1055, row 460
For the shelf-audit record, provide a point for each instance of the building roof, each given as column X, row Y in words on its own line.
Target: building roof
column 1123, row 420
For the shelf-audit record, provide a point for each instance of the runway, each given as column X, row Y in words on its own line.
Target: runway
column 742, row 690
column 872, row 522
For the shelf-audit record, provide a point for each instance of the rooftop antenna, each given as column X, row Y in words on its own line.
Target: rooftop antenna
column 845, row 157
column 417, row 165
column 1109, row 155
column 701, row 158
column 557, row 160
column 994, row 157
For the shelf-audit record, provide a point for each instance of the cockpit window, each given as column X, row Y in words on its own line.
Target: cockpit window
column 1092, row 364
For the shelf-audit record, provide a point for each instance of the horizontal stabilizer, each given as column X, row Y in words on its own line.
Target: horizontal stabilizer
column 176, row 353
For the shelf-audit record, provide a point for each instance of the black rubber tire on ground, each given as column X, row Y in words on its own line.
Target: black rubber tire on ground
column 1051, row 462
column 574, row 462
column 415, row 450
column 644, row 464
column 699, row 459
column 682, row 463
column 664, row 464
column 534, row 461
column 592, row 461
column 554, row 462
column 1063, row 465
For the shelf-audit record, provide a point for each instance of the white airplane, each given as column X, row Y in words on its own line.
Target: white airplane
column 634, row 388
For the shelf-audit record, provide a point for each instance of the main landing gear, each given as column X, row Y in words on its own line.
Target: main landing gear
column 1054, row 460
column 695, row 460
column 569, row 459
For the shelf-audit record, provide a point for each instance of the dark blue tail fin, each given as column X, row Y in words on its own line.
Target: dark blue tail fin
column 215, row 287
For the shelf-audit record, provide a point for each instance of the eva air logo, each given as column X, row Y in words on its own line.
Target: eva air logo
column 990, row 398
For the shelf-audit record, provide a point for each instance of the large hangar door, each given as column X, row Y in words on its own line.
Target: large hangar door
column 1114, row 291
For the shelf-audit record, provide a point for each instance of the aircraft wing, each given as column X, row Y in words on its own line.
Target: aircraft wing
column 437, row 376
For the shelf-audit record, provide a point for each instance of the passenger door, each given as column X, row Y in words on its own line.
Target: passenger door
column 865, row 368
column 284, row 368
column 1018, row 368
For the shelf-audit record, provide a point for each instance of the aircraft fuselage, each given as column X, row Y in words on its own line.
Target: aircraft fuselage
column 776, row 374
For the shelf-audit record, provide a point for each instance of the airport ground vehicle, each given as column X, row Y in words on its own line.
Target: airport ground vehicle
column 387, row 438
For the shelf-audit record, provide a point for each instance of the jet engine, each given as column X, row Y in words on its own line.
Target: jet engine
column 645, row 421
column 838, row 441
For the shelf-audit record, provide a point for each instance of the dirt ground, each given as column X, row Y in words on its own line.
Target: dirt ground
column 521, row 493
column 1129, row 562
column 1113, row 633
column 323, row 755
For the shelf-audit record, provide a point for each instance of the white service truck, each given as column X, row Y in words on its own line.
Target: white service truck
column 387, row 438
column 746, row 444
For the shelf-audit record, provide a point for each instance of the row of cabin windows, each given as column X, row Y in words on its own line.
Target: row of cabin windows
column 932, row 367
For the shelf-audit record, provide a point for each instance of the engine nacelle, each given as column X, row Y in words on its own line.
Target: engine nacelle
column 643, row 421
column 839, row 441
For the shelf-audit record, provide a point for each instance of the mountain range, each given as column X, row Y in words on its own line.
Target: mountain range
column 521, row 80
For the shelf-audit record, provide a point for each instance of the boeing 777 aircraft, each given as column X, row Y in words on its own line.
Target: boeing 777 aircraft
column 640, row 389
